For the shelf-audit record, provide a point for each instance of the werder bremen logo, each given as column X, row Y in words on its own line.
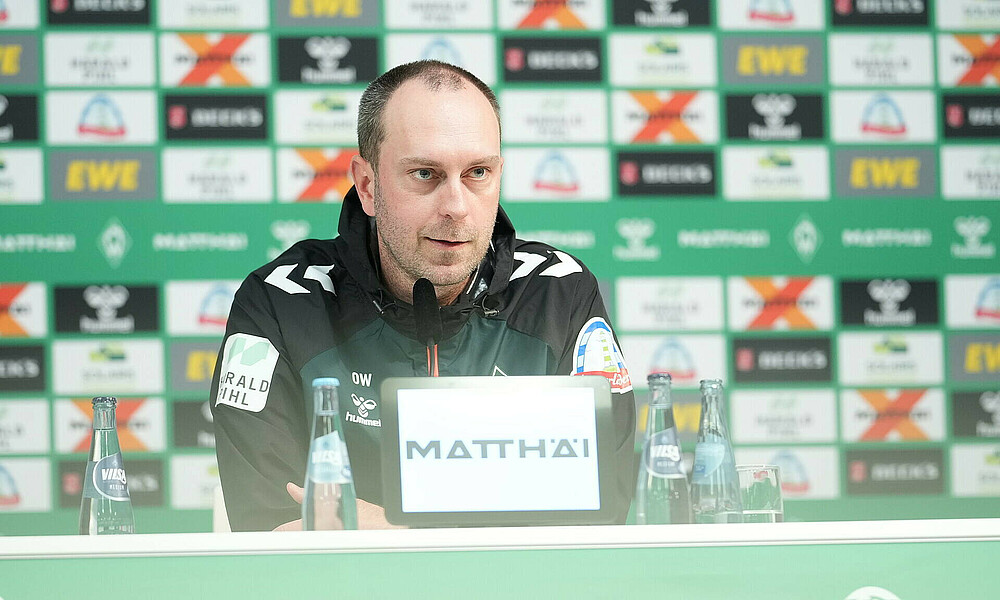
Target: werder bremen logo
column 114, row 242
column 805, row 238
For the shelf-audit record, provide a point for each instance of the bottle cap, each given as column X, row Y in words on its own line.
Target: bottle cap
column 320, row 381
column 659, row 377
column 104, row 400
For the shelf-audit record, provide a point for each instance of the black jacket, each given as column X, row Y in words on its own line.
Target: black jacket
column 320, row 310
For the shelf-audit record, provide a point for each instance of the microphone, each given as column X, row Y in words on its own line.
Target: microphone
column 427, row 315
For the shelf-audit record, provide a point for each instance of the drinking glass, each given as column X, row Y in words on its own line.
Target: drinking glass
column 760, row 488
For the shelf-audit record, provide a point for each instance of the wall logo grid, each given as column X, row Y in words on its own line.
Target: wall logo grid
column 857, row 323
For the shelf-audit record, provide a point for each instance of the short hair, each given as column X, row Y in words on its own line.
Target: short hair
column 434, row 74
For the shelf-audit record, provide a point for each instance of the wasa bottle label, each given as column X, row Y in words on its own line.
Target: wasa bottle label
column 662, row 456
column 329, row 463
column 106, row 479
column 708, row 457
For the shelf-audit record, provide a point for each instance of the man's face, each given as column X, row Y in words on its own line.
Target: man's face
column 437, row 189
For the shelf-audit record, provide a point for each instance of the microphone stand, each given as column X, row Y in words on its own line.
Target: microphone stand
column 427, row 314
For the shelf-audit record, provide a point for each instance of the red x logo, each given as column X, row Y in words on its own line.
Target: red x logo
column 664, row 116
column 328, row 173
column 551, row 9
column 780, row 303
column 123, row 412
column 214, row 60
column 985, row 59
column 9, row 327
column 893, row 415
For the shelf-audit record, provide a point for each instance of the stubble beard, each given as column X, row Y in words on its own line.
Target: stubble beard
column 409, row 262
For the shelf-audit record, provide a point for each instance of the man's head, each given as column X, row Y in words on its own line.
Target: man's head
column 429, row 172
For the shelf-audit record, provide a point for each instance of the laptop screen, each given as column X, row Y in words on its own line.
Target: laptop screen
column 497, row 451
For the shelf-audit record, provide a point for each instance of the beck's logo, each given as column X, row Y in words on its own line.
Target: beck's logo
column 552, row 59
column 781, row 359
column 93, row 12
column 216, row 116
column 972, row 115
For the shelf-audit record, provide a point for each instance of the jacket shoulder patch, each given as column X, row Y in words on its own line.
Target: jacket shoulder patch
column 597, row 353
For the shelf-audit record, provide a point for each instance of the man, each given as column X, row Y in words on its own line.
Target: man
column 425, row 205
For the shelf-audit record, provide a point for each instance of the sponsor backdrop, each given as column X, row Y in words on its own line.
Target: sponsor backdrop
column 797, row 196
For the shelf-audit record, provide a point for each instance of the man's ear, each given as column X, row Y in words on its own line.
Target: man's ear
column 364, row 181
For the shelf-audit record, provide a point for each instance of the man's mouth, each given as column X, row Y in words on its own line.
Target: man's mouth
column 447, row 243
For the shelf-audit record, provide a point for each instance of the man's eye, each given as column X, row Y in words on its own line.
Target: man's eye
column 423, row 174
column 478, row 173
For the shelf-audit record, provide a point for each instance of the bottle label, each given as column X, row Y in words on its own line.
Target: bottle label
column 328, row 462
column 662, row 456
column 708, row 456
column 106, row 479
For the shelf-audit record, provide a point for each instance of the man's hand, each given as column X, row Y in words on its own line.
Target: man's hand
column 370, row 516
column 297, row 494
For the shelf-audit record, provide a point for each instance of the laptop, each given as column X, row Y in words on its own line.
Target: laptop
column 498, row 451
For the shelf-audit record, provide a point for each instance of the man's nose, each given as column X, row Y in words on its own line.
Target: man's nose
column 455, row 199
